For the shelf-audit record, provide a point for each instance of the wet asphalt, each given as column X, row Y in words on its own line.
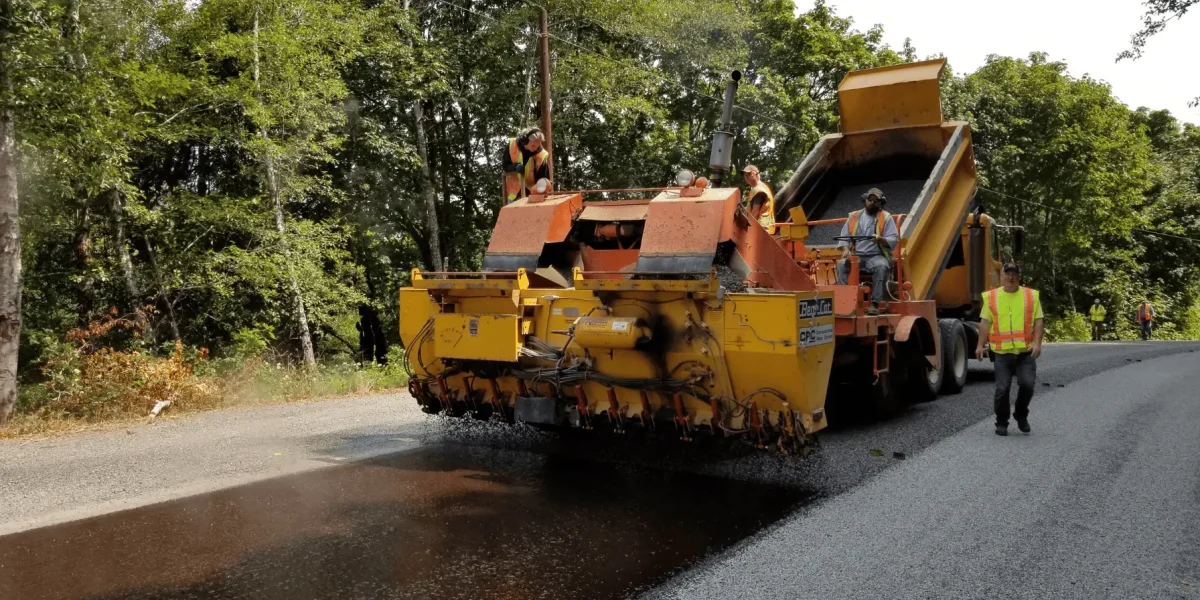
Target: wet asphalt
column 479, row 511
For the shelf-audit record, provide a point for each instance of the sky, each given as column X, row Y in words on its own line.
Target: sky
column 1086, row 34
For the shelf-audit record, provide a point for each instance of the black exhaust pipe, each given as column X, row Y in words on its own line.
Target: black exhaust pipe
column 722, row 145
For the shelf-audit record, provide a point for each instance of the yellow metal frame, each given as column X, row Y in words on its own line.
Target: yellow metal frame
column 477, row 337
column 517, row 280
column 646, row 285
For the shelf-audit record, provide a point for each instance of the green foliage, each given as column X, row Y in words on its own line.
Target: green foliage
column 252, row 342
column 250, row 143
column 1071, row 327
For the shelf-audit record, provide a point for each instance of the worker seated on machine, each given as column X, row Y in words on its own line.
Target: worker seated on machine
column 871, row 234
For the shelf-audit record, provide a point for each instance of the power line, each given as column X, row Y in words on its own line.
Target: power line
column 1065, row 212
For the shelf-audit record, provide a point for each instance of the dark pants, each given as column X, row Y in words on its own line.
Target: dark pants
column 1025, row 368
column 1147, row 329
column 1096, row 326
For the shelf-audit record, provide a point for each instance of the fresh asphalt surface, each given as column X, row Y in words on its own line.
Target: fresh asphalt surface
column 1102, row 500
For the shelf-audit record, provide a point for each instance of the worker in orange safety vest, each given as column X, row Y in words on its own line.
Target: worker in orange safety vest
column 525, row 162
column 874, row 254
column 1011, row 322
column 760, row 200
column 1145, row 319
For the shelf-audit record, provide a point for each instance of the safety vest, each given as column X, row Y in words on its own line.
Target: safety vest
column 1098, row 312
column 881, row 220
column 514, row 184
column 767, row 218
column 1020, row 336
column 1145, row 313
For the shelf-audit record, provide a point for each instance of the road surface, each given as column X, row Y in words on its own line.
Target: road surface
column 368, row 498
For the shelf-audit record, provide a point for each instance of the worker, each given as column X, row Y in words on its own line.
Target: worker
column 760, row 200
column 1097, row 313
column 875, row 254
column 1011, row 321
column 1145, row 318
column 525, row 162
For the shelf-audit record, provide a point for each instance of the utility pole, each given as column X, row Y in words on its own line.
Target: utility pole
column 544, row 76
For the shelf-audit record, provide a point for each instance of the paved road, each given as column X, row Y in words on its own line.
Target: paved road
column 475, row 505
column 1101, row 501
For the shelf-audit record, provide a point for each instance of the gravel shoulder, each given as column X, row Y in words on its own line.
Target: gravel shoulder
column 49, row 480
column 1099, row 502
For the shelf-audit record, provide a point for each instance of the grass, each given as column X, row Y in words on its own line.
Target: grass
column 121, row 389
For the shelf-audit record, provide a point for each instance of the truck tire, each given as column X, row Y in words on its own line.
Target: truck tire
column 972, row 329
column 922, row 381
column 955, row 355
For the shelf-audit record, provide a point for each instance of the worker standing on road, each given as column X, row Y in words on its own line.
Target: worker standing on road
column 525, row 162
column 1145, row 318
column 1011, row 321
column 874, row 255
column 760, row 200
column 1098, row 313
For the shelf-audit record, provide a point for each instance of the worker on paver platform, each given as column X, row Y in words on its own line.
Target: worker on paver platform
column 760, row 200
column 525, row 162
column 1011, row 321
column 1097, row 313
column 874, row 255
column 1145, row 319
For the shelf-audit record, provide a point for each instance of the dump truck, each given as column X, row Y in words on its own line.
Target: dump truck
column 679, row 314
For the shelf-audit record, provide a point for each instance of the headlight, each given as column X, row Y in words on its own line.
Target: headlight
column 685, row 178
column 542, row 186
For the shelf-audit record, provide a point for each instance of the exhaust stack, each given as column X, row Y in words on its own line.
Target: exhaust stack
column 722, row 144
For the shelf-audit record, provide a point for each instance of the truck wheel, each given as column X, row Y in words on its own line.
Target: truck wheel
column 954, row 355
column 922, row 381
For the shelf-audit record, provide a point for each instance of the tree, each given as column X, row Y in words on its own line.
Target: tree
column 10, row 224
column 1158, row 14
column 1063, row 158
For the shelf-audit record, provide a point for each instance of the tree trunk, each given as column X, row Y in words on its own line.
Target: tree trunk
column 306, row 345
column 162, row 294
column 117, row 209
column 427, row 192
column 468, row 162
column 10, row 229
column 426, row 180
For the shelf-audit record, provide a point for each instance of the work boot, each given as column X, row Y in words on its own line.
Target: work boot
column 1002, row 430
column 1023, row 425
column 873, row 310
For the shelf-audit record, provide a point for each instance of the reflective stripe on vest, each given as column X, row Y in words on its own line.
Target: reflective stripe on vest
column 767, row 218
column 998, row 337
column 514, row 184
column 880, row 222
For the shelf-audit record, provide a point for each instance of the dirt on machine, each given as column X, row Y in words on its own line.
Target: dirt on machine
column 680, row 315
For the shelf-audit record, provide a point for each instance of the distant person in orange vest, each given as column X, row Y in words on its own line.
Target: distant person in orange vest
column 1145, row 317
column 1011, row 322
column 874, row 255
column 525, row 162
column 760, row 200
